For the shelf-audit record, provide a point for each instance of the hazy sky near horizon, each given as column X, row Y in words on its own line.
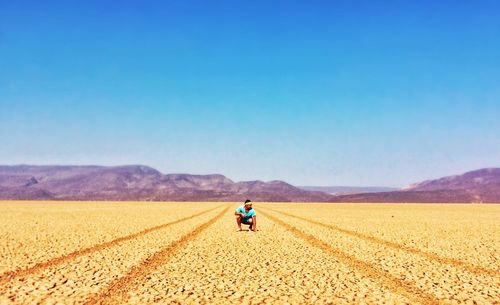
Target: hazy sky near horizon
column 311, row 92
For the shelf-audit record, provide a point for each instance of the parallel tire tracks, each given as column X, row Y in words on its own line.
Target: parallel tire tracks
column 477, row 270
column 117, row 290
column 377, row 274
column 10, row 275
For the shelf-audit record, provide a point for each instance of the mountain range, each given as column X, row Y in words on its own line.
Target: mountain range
column 479, row 186
column 345, row 190
column 143, row 183
column 138, row 182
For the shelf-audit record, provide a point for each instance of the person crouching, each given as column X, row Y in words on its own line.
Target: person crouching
column 245, row 214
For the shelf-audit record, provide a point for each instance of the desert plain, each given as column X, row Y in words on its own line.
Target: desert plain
column 303, row 253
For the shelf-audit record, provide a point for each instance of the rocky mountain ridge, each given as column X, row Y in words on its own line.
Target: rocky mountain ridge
column 138, row 182
column 143, row 183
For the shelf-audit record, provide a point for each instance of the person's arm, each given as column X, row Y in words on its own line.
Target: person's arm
column 254, row 223
column 236, row 213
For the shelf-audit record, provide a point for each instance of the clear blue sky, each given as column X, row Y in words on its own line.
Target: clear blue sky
column 311, row 92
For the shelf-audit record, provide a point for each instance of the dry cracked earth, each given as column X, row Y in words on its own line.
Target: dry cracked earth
column 190, row 253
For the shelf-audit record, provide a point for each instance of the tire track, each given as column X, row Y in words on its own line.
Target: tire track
column 377, row 274
column 117, row 290
column 477, row 270
column 10, row 275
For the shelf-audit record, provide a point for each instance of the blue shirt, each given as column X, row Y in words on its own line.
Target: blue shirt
column 249, row 214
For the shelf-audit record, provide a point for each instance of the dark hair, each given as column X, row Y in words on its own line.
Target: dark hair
column 247, row 201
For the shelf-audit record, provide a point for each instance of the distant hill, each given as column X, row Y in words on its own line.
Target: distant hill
column 143, row 183
column 477, row 186
column 345, row 190
column 137, row 182
column 486, row 179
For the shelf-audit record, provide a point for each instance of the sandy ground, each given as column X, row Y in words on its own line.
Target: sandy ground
column 190, row 253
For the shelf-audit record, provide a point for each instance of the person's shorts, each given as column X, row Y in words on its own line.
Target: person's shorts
column 245, row 221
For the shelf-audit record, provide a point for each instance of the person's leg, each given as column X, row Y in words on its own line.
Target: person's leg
column 238, row 222
column 250, row 222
